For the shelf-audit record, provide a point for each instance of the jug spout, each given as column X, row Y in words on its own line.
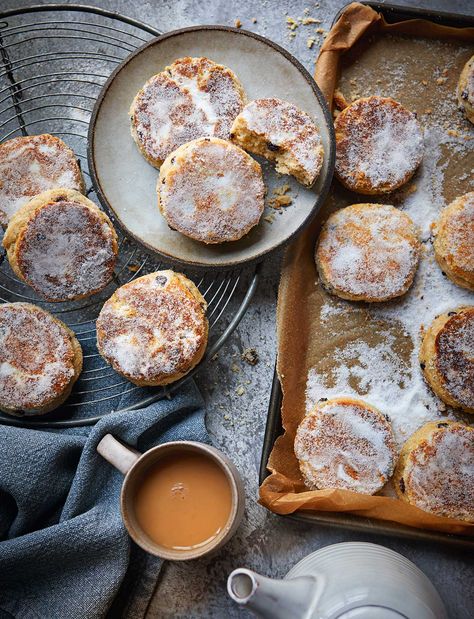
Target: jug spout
column 294, row 598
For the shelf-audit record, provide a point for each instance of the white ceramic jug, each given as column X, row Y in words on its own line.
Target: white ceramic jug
column 354, row 580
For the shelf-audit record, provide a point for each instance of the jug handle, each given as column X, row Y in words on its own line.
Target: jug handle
column 120, row 455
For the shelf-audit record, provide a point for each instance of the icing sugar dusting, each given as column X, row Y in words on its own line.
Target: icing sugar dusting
column 467, row 94
column 441, row 475
column 193, row 97
column 31, row 165
column 378, row 142
column 289, row 130
column 36, row 357
column 67, row 251
column 368, row 250
column 379, row 373
column 455, row 238
column 455, row 356
column 152, row 327
column 345, row 445
column 215, row 193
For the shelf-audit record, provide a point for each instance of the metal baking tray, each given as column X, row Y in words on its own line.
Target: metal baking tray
column 274, row 428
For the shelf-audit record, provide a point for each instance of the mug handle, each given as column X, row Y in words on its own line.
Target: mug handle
column 120, row 455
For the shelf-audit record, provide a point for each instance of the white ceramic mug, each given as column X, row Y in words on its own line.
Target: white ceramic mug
column 133, row 465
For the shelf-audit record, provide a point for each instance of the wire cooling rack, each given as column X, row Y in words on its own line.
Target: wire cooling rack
column 54, row 60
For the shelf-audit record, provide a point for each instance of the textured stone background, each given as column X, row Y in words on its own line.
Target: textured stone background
column 266, row 542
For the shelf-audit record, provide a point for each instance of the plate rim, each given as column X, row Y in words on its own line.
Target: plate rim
column 331, row 155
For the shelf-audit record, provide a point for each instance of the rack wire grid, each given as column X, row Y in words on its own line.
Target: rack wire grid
column 54, row 60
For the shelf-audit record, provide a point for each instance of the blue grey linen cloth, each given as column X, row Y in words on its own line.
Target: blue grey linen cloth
column 64, row 551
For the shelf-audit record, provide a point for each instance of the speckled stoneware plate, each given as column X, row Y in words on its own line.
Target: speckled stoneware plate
column 125, row 182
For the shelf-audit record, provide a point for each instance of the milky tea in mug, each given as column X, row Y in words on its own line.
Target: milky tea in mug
column 183, row 500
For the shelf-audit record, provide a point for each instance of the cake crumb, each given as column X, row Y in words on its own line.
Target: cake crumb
column 280, row 201
column 280, row 190
column 235, row 368
column 441, row 80
column 269, row 218
column 238, row 23
column 291, row 23
column 306, row 21
column 254, row 20
column 310, row 42
column 240, row 390
column 250, row 356
column 279, row 198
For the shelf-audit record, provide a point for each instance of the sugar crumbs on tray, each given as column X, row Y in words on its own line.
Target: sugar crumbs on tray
column 377, row 371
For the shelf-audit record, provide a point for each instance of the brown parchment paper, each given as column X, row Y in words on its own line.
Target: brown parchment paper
column 303, row 342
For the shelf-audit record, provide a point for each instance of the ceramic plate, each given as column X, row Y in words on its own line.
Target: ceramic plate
column 125, row 182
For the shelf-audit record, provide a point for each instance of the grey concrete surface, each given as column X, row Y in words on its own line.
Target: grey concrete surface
column 266, row 542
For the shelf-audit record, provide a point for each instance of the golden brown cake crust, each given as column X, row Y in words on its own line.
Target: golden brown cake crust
column 435, row 470
column 62, row 245
column 345, row 443
column 33, row 164
column 367, row 252
column 191, row 98
column 40, row 360
column 154, row 330
column 211, row 191
column 379, row 145
column 454, row 241
column 281, row 132
column 465, row 90
column 447, row 358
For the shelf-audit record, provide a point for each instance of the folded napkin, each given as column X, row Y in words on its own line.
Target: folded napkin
column 64, row 549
